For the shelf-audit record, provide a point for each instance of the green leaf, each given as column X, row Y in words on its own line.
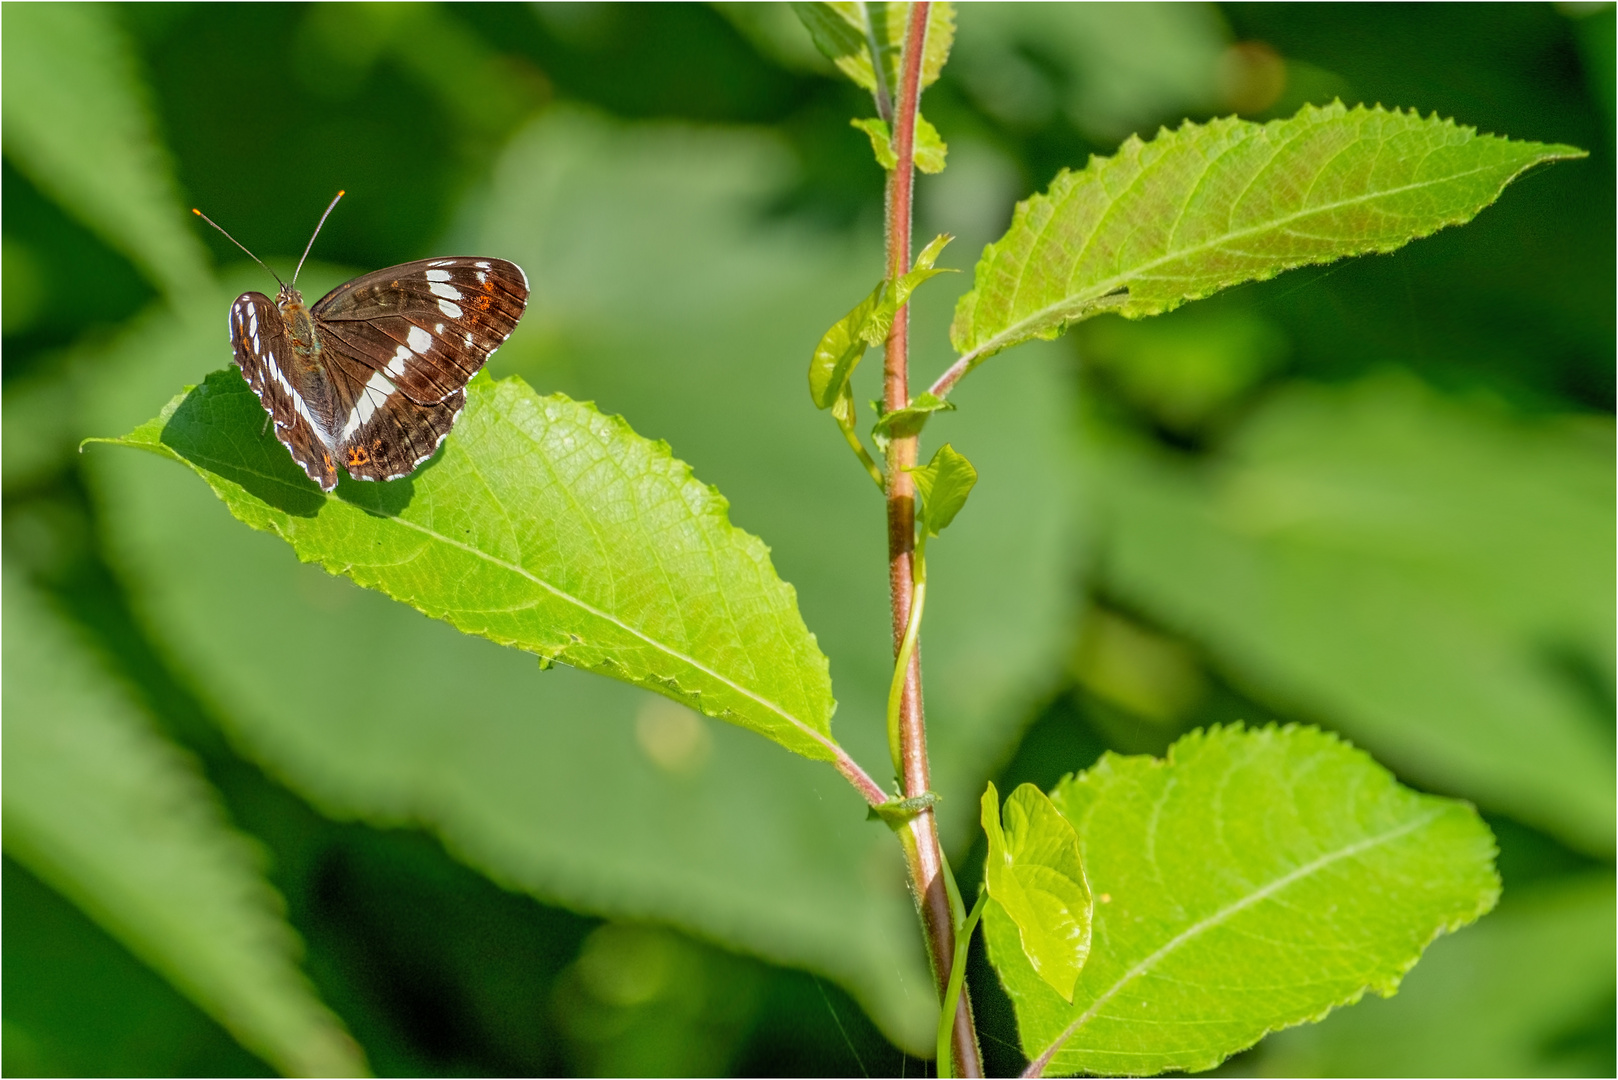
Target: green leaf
column 1035, row 876
column 841, row 347
column 117, row 820
column 881, row 320
column 1250, row 881
column 944, row 482
column 1508, row 998
column 1211, row 205
column 78, row 124
column 546, row 526
column 908, row 420
column 929, row 149
column 847, row 32
column 840, row 350
column 922, row 268
column 1430, row 575
column 881, row 141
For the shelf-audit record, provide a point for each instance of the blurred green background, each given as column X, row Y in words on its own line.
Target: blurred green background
column 1375, row 496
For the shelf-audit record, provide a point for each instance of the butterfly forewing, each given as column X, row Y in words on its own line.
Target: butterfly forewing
column 429, row 325
column 263, row 351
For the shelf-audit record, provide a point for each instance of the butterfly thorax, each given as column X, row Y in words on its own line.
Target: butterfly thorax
column 300, row 324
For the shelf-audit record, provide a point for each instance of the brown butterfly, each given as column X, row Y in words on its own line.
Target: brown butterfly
column 373, row 375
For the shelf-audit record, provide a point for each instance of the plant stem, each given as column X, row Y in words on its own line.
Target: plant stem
column 923, row 854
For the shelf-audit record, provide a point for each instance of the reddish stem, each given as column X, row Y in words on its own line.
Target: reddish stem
column 924, row 855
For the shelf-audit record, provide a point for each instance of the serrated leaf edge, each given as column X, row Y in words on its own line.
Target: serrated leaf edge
column 1072, row 309
column 1385, row 988
column 672, row 687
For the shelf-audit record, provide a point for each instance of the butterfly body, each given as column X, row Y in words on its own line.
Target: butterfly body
column 373, row 375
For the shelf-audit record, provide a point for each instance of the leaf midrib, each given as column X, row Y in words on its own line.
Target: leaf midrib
column 1100, row 289
column 591, row 609
column 1215, row 919
column 568, row 597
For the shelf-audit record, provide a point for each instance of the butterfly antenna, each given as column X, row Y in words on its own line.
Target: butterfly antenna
column 311, row 244
column 238, row 243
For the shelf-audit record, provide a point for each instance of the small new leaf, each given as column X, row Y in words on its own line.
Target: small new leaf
column 944, row 483
column 1034, row 873
column 929, row 150
column 907, row 421
column 876, row 331
column 848, row 32
column 840, row 350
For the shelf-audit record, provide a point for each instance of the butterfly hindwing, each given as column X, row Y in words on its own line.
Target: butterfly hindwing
column 429, row 325
column 263, row 351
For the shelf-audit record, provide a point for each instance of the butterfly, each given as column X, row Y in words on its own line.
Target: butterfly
column 373, row 375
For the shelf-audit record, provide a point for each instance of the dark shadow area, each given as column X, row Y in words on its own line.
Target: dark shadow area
column 218, row 428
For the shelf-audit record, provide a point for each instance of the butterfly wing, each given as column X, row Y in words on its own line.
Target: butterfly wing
column 427, row 326
column 263, row 351
column 384, row 434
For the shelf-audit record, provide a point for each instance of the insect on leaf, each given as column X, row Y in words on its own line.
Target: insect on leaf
column 546, row 526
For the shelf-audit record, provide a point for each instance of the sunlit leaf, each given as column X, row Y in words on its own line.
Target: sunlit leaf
column 847, row 32
column 1527, row 992
column 944, row 482
column 922, row 269
column 1250, row 881
column 842, row 346
column 1035, row 875
column 1210, row 205
column 117, row 820
column 547, row 526
column 77, row 122
column 908, row 420
column 841, row 349
column 1434, row 578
